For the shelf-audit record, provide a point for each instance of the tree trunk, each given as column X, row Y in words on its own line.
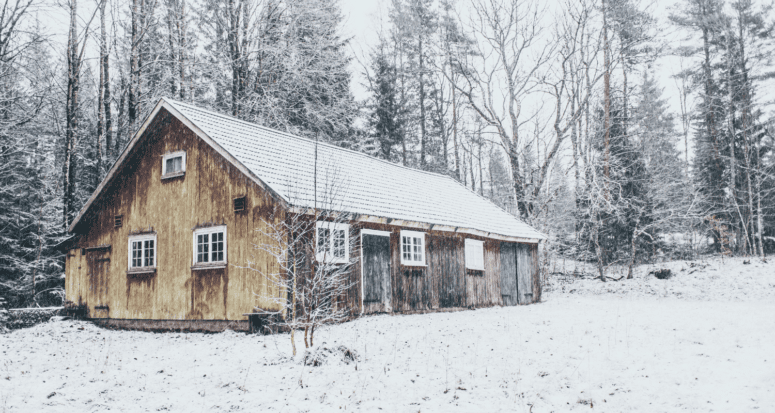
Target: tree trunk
column 732, row 136
column 422, row 104
column 403, row 101
column 759, row 218
column 234, row 54
column 105, row 52
column 101, row 98
column 607, row 99
column 182, row 49
column 519, row 196
column 173, row 58
column 133, row 110
column 481, row 173
column 454, row 134
column 71, row 118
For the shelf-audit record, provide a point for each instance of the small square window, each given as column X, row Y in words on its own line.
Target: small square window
column 474, row 254
column 210, row 245
column 239, row 204
column 332, row 244
column 412, row 248
column 118, row 221
column 173, row 164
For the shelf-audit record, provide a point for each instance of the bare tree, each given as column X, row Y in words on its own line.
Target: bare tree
column 498, row 78
column 76, row 45
column 315, row 250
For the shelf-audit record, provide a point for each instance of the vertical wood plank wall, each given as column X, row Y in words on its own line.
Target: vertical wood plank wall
column 444, row 283
column 173, row 208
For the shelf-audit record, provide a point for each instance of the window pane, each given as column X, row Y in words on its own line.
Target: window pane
column 418, row 249
column 323, row 240
column 202, row 248
column 149, row 253
column 339, row 247
column 217, row 250
column 406, row 248
column 173, row 165
column 137, row 254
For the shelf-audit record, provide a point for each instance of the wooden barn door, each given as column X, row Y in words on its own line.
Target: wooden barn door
column 509, row 274
column 524, row 274
column 446, row 255
column 98, row 261
column 375, row 271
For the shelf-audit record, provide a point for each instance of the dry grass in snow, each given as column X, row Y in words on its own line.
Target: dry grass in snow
column 605, row 347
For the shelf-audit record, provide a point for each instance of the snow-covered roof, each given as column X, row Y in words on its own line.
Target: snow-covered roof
column 360, row 184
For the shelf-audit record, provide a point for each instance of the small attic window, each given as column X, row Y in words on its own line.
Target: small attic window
column 239, row 204
column 118, row 221
column 173, row 164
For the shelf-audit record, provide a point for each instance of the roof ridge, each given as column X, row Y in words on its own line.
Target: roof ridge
column 327, row 144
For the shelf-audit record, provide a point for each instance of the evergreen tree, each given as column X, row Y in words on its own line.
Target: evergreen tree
column 703, row 18
column 30, row 208
column 316, row 94
column 383, row 109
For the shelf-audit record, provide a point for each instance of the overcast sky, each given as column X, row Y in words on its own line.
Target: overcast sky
column 362, row 20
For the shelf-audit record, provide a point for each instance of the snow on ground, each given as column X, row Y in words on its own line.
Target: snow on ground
column 710, row 279
column 699, row 342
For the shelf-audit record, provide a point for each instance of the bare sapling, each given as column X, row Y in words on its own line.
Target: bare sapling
column 315, row 251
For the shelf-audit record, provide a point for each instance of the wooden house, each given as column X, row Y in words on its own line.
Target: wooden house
column 164, row 240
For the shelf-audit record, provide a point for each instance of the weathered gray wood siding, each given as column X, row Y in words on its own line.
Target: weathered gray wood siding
column 508, row 274
column 445, row 283
column 376, row 263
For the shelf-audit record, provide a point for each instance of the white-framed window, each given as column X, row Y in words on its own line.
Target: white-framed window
column 332, row 242
column 210, row 245
column 173, row 164
column 142, row 251
column 412, row 248
column 474, row 254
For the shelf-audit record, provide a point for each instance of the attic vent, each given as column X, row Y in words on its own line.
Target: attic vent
column 239, row 204
column 118, row 221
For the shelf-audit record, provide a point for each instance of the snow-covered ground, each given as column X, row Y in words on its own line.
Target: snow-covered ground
column 701, row 341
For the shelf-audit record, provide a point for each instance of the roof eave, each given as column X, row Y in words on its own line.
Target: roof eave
column 424, row 225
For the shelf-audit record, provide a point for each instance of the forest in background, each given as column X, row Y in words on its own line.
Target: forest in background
column 554, row 112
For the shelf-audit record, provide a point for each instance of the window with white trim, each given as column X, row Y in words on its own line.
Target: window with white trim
column 332, row 242
column 474, row 254
column 210, row 246
column 173, row 164
column 412, row 248
column 142, row 252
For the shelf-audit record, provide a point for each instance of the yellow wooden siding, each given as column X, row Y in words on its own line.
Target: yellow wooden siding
column 173, row 208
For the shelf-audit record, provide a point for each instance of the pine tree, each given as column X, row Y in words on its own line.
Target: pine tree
column 710, row 168
column 384, row 111
column 30, row 206
column 316, row 94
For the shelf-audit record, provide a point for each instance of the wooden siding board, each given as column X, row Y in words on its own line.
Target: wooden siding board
column 536, row 273
column 524, row 274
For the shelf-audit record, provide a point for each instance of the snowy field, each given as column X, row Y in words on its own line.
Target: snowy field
column 702, row 341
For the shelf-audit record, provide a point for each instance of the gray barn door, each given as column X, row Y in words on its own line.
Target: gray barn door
column 524, row 274
column 509, row 274
column 376, row 273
